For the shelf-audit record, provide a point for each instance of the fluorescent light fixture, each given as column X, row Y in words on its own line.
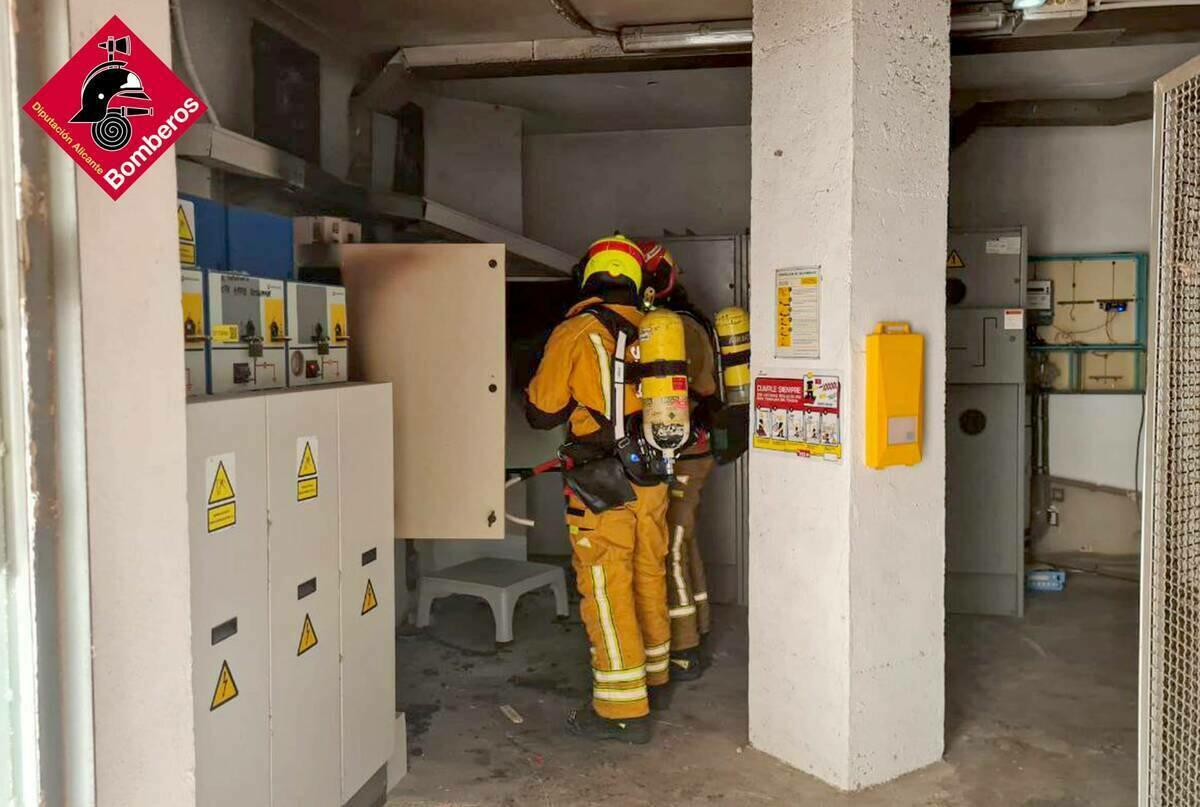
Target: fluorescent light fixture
column 731, row 35
column 1021, row 5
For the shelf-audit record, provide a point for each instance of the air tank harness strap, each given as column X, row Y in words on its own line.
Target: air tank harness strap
column 622, row 332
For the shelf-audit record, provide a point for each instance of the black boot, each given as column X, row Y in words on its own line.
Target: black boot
column 706, row 655
column 660, row 697
column 586, row 723
column 685, row 665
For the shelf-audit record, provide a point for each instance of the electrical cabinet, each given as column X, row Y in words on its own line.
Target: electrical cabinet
column 195, row 352
column 365, row 511
column 246, row 333
column 227, row 528
column 985, row 421
column 302, row 500
column 318, row 347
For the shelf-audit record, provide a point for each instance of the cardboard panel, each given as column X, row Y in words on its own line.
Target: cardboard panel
column 429, row 318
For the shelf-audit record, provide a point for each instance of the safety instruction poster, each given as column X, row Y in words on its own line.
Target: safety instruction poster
column 798, row 313
column 801, row 416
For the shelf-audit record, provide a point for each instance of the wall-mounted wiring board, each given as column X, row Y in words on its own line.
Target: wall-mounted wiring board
column 1095, row 338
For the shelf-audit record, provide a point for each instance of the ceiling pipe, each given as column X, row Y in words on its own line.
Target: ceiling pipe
column 566, row 9
column 725, row 36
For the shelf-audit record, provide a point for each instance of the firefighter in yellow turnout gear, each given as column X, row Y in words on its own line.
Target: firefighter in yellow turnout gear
column 617, row 528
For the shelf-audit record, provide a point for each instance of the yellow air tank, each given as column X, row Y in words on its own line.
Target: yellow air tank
column 666, row 422
column 733, row 339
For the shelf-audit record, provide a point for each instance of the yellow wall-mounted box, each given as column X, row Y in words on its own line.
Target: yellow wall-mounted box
column 895, row 403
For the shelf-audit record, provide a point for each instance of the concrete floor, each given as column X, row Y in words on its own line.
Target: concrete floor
column 1040, row 713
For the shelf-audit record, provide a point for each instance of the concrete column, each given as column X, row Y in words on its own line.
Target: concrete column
column 850, row 149
column 136, row 471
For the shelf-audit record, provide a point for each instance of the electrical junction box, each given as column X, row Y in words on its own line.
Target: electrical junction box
column 318, row 350
column 366, row 526
column 302, row 498
column 246, row 333
column 195, row 352
column 227, row 532
column 1052, row 17
column 895, row 405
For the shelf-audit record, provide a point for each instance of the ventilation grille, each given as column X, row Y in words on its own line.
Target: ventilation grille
column 1175, row 526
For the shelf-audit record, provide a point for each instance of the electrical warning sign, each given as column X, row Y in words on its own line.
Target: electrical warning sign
column 306, row 475
column 954, row 260
column 308, row 637
column 222, row 495
column 187, row 232
column 370, row 602
column 226, row 688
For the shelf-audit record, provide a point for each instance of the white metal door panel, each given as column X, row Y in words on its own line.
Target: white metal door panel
column 429, row 318
column 302, row 502
column 711, row 279
column 227, row 526
column 367, row 601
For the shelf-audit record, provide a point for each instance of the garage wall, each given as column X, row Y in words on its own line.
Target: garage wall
column 1078, row 190
column 581, row 186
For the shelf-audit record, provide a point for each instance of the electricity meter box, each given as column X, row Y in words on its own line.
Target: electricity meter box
column 318, row 350
column 895, row 407
column 195, row 354
column 246, row 333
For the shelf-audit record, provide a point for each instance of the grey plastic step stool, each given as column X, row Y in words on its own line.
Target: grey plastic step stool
column 499, row 581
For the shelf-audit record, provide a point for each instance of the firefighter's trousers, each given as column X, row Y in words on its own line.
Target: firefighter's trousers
column 619, row 558
column 687, row 590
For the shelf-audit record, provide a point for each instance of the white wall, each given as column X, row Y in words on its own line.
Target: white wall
column 581, row 186
column 218, row 33
column 1078, row 190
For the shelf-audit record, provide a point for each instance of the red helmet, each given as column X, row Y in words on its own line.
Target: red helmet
column 662, row 272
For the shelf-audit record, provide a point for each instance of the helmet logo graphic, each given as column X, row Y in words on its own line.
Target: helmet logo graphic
column 104, row 90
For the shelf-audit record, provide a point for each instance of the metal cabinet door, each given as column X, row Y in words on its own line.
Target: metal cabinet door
column 302, row 501
column 429, row 318
column 227, row 526
column 984, row 519
column 368, row 598
column 712, row 281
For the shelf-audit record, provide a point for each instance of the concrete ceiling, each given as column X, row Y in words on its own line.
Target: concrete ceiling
column 680, row 99
column 1080, row 73
column 383, row 24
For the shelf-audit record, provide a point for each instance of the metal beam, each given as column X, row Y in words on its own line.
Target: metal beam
column 1052, row 112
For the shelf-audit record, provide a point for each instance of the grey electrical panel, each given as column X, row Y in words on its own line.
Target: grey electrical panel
column 985, row 421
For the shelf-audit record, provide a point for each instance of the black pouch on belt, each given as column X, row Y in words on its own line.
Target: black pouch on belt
column 601, row 484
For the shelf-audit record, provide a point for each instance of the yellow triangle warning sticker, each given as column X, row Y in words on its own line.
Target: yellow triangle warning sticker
column 308, row 637
column 185, row 227
column 222, row 488
column 954, row 260
column 370, row 603
column 226, row 688
column 308, row 465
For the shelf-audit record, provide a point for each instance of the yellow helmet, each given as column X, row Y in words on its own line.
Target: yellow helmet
column 615, row 257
